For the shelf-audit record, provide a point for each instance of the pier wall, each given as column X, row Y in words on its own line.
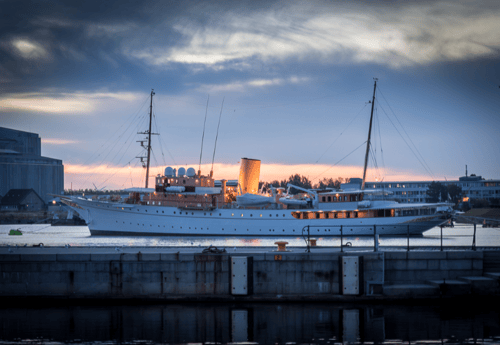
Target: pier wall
column 204, row 276
column 418, row 267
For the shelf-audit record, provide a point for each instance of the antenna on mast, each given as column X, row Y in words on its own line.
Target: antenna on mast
column 216, row 136
column 203, row 137
column 369, row 136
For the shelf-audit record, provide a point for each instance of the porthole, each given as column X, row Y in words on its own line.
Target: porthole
column 261, row 215
column 242, row 214
column 174, row 212
column 251, row 215
column 232, row 214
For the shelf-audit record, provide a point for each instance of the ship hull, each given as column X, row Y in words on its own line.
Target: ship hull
column 144, row 220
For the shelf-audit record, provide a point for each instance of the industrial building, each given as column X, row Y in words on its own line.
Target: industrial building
column 473, row 187
column 22, row 165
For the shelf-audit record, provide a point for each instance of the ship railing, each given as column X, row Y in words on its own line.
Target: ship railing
column 347, row 238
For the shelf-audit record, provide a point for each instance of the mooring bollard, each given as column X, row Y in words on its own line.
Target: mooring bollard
column 281, row 246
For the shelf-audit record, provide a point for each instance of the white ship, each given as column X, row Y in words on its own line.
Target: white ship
column 189, row 203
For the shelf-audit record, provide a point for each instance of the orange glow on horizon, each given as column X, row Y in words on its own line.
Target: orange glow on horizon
column 112, row 177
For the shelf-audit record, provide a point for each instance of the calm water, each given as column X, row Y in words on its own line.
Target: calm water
column 459, row 236
column 243, row 323
column 266, row 323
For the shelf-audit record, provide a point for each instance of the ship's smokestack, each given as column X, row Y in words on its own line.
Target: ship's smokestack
column 249, row 176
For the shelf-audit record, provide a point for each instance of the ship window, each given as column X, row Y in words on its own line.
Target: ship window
column 184, row 181
column 251, row 215
column 277, row 215
column 153, row 202
column 355, row 214
column 348, row 214
column 162, row 211
column 345, row 197
column 329, row 198
column 242, row 214
column 261, row 215
column 232, row 214
column 159, row 203
column 220, row 214
column 174, row 212
column 323, row 199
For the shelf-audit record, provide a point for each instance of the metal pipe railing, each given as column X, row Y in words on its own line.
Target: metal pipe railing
column 340, row 231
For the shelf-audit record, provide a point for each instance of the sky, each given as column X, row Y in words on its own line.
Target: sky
column 290, row 81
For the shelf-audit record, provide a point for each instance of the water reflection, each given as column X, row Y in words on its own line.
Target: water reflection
column 79, row 236
column 259, row 323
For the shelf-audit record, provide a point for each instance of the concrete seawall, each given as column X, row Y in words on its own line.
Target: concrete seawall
column 253, row 274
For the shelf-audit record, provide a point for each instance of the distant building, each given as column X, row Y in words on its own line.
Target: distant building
column 23, row 167
column 22, row 200
column 473, row 187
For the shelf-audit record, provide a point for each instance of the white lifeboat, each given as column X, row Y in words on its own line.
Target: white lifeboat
column 295, row 202
column 248, row 199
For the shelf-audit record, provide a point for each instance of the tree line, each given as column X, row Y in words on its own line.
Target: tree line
column 304, row 182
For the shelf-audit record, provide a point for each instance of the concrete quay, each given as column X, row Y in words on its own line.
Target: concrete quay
column 246, row 274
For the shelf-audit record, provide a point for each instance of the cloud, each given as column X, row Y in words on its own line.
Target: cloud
column 241, row 86
column 397, row 36
column 29, row 49
column 53, row 141
column 61, row 102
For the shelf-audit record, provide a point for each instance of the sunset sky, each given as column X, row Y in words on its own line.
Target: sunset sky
column 294, row 77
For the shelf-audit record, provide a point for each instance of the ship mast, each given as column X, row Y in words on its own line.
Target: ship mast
column 369, row 136
column 148, row 132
